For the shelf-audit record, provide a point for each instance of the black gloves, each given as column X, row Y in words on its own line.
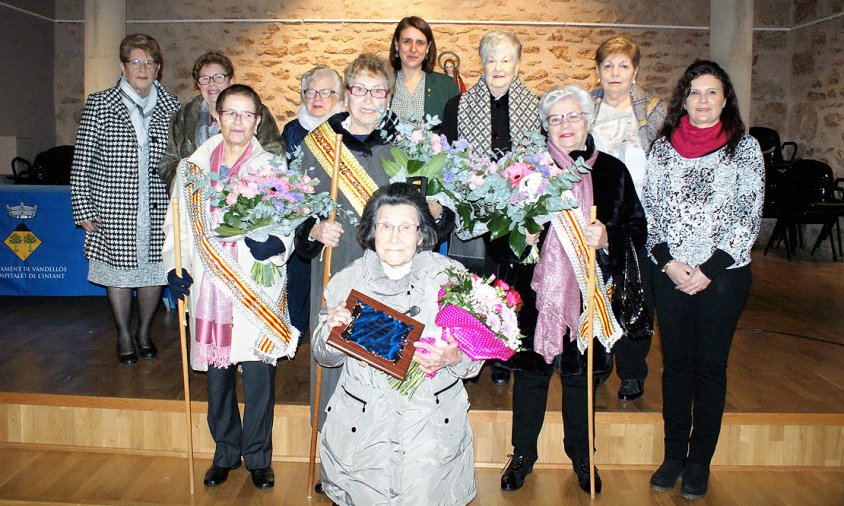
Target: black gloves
column 264, row 250
column 179, row 287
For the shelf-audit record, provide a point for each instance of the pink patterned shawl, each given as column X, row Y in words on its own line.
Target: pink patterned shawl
column 559, row 308
column 213, row 332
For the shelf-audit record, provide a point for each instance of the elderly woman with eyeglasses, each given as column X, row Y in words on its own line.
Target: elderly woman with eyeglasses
column 420, row 91
column 323, row 95
column 236, row 324
column 493, row 114
column 198, row 121
column 553, row 289
column 365, row 128
column 117, row 195
column 380, row 446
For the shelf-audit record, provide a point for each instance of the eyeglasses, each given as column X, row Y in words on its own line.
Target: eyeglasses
column 217, row 78
column 360, row 91
column 136, row 63
column 325, row 93
column 387, row 228
column 245, row 116
column 572, row 117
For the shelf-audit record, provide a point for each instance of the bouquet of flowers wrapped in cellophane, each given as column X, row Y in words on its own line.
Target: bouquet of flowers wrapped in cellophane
column 264, row 200
column 480, row 314
column 513, row 196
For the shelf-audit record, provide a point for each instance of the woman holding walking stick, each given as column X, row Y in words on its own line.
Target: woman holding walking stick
column 235, row 322
column 553, row 291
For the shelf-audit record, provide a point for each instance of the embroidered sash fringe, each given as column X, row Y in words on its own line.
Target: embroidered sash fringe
column 569, row 225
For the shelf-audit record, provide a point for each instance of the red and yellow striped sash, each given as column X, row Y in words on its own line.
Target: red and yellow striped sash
column 218, row 266
column 354, row 182
column 606, row 327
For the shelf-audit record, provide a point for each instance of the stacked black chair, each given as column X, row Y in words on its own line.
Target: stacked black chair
column 809, row 194
column 51, row 167
column 776, row 165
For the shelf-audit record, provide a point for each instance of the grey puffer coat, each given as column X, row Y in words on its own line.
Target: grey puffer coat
column 378, row 446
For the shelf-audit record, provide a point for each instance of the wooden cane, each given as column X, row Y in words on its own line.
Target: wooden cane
column 326, row 275
column 177, row 243
column 590, row 356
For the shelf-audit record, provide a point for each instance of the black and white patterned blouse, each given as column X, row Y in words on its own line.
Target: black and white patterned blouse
column 407, row 104
column 697, row 206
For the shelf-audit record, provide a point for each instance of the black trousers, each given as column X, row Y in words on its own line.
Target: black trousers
column 530, row 395
column 251, row 439
column 630, row 356
column 299, row 293
column 696, row 333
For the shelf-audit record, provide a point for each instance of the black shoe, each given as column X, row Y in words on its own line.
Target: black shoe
column 128, row 355
column 263, row 478
column 581, row 469
column 500, row 375
column 631, row 389
column 318, row 488
column 668, row 474
column 216, row 475
column 695, row 481
column 146, row 348
column 129, row 359
column 513, row 475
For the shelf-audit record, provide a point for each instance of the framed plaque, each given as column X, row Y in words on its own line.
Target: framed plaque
column 378, row 334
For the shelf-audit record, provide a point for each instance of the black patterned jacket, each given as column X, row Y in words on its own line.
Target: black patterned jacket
column 104, row 177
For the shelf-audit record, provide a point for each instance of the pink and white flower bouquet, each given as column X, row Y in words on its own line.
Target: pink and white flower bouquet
column 263, row 200
column 480, row 314
column 513, row 196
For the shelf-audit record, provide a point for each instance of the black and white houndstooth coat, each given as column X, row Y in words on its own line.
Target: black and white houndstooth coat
column 104, row 177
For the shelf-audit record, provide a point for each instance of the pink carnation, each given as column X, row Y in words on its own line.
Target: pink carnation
column 231, row 198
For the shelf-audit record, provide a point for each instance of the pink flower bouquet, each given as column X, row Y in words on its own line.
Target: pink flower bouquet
column 480, row 313
column 263, row 200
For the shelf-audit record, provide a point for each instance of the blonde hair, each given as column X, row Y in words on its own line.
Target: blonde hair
column 372, row 65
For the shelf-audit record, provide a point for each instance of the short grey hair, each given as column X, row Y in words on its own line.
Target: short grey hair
column 319, row 72
column 571, row 92
column 498, row 38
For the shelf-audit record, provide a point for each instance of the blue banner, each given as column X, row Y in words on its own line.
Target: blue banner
column 41, row 252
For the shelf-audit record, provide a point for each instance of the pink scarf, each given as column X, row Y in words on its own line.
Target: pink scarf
column 554, row 281
column 693, row 142
column 213, row 331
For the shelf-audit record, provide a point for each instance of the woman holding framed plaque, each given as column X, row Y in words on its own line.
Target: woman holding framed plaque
column 377, row 441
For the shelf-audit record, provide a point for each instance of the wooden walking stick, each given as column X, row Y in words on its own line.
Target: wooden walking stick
column 177, row 243
column 326, row 275
column 590, row 356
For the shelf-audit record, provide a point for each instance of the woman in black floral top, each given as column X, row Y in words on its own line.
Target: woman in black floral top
column 703, row 201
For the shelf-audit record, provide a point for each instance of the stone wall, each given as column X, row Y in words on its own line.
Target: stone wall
column 271, row 56
column 816, row 114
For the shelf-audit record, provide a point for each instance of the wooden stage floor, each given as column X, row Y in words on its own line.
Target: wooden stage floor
column 786, row 356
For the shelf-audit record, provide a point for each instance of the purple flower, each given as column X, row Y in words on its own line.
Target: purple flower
column 544, row 170
column 448, row 176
